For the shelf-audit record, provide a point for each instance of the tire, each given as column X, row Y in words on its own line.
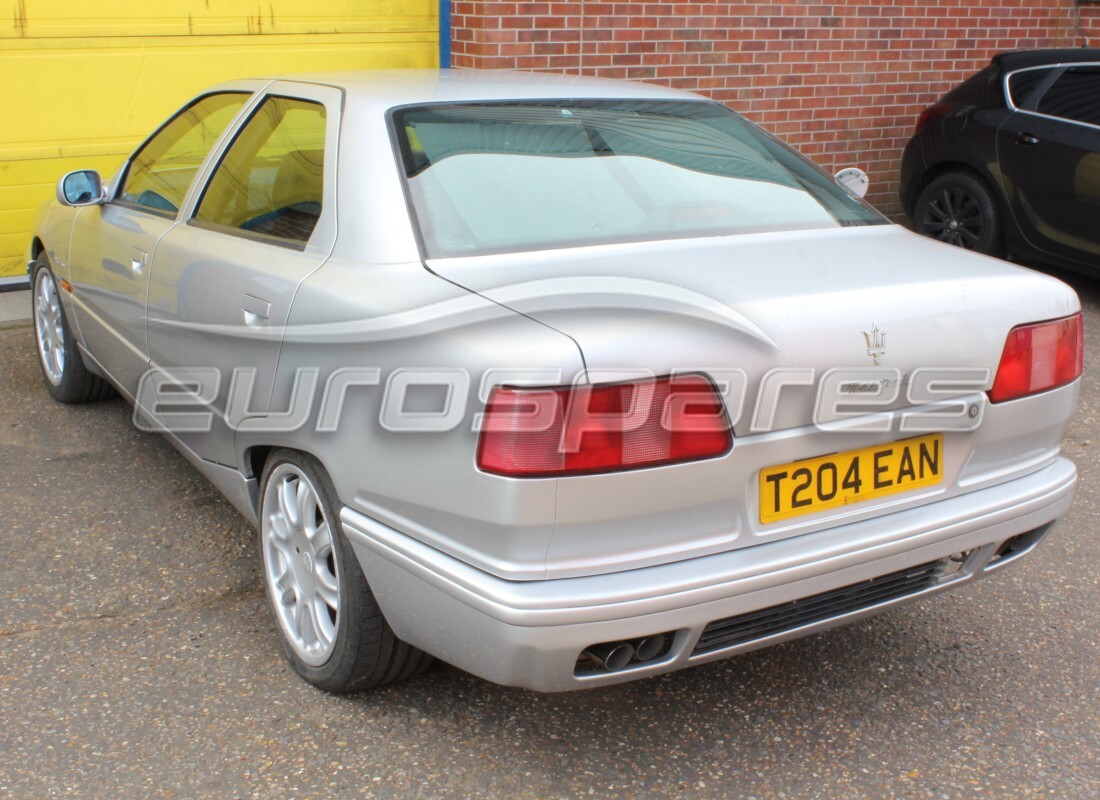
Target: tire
column 67, row 378
column 328, row 621
column 958, row 208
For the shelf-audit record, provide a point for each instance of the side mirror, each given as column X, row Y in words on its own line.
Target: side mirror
column 81, row 188
column 854, row 180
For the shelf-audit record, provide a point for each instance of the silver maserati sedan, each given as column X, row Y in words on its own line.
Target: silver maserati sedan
column 565, row 382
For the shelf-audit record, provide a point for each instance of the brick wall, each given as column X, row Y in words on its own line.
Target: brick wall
column 842, row 81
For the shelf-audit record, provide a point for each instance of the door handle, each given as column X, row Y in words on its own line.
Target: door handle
column 137, row 261
column 256, row 310
column 1026, row 138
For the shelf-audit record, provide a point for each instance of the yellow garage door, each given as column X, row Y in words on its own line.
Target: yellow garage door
column 82, row 83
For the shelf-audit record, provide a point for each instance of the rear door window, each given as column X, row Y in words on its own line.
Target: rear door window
column 1075, row 95
column 1023, row 84
column 270, row 183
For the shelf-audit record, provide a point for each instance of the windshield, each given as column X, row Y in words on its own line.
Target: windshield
column 514, row 176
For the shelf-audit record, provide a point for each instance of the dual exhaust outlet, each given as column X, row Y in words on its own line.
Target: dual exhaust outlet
column 613, row 656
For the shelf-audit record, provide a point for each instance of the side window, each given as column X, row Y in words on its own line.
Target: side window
column 1075, row 95
column 162, row 169
column 1022, row 84
column 271, row 180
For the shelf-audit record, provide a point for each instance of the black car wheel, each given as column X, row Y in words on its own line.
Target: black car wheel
column 959, row 209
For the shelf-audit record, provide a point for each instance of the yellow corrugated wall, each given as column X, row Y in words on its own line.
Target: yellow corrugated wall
column 81, row 83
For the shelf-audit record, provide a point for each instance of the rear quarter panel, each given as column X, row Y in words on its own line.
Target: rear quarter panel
column 398, row 322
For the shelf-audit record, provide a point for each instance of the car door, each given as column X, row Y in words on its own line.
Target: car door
column 1049, row 155
column 222, row 283
column 113, row 244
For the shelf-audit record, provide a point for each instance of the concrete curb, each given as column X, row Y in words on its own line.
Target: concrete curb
column 15, row 307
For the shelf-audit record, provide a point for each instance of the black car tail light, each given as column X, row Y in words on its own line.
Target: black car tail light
column 933, row 113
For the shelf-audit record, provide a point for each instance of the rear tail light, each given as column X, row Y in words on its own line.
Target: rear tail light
column 931, row 114
column 1039, row 357
column 577, row 430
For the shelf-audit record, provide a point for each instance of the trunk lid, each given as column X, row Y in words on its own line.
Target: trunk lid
column 879, row 300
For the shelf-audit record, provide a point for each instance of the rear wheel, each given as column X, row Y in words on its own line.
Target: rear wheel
column 67, row 379
column 958, row 208
column 330, row 625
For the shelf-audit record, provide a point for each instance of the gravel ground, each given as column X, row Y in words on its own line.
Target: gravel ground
column 137, row 660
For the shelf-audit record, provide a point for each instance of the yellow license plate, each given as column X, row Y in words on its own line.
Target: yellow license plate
column 818, row 484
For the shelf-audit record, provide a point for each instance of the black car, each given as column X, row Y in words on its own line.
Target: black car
column 1008, row 162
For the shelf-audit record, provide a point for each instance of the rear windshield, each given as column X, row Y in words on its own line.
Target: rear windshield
column 506, row 177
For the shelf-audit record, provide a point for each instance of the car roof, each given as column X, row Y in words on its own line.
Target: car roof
column 1018, row 59
column 396, row 87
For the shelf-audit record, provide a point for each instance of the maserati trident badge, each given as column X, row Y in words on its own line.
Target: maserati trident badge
column 876, row 343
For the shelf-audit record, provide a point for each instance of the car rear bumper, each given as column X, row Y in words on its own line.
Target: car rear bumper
column 531, row 633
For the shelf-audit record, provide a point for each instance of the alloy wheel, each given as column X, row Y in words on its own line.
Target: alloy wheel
column 300, row 562
column 49, row 327
column 954, row 216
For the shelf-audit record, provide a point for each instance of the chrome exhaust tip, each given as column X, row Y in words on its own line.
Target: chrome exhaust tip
column 650, row 647
column 612, row 656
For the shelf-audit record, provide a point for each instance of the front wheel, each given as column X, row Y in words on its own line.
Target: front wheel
column 67, row 379
column 958, row 208
column 329, row 623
